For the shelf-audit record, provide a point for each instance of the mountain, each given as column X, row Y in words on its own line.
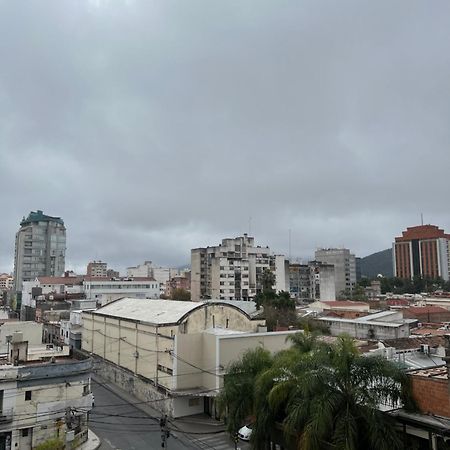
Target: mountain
column 377, row 263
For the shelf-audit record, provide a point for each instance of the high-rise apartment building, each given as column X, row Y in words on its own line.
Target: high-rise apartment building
column 97, row 269
column 422, row 250
column 312, row 281
column 40, row 248
column 234, row 270
column 344, row 264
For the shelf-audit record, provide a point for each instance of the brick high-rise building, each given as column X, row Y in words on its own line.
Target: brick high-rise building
column 422, row 251
column 97, row 269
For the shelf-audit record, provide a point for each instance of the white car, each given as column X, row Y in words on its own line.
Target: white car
column 245, row 432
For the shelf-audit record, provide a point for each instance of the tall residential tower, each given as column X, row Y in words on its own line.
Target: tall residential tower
column 234, row 270
column 40, row 248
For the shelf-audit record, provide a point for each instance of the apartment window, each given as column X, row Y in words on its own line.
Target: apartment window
column 27, row 395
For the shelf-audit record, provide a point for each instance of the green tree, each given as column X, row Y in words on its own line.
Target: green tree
column 237, row 400
column 181, row 294
column 331, row 402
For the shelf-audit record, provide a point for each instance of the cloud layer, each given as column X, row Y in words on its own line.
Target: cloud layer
column 155, row 127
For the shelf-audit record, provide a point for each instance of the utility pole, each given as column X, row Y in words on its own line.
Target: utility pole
column 165, row 433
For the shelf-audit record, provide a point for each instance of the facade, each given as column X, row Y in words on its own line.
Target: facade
column 85, row 292
column 344, row 264
column 97, row 269
column 234, row 270
column 422, row 251
column 106, row 290
column 178, row 282
column 312, row 281
column 42, row 401
column 382, row 325
column 6, row 282
column 176, row 353
column 161, row 274
column 339, row 305
column 40, row 248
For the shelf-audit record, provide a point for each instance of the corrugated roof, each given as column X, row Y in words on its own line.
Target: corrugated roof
column 156, row 312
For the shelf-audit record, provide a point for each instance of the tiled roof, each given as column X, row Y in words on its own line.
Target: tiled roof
column 425, row 309
column 414, row 342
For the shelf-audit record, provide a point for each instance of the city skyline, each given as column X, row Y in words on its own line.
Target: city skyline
column 156, row 128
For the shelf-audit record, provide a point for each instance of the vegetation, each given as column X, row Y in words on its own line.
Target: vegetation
column 279, row 309
column 51, row 444
column 181, row 294
column 415, row 286
column 320, row 396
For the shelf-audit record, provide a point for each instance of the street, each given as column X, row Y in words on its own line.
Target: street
column 123, row 426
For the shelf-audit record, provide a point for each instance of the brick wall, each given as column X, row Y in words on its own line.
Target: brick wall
column 431, row 395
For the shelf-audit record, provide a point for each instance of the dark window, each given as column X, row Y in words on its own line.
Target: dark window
column 25, row 432
column 28, row 395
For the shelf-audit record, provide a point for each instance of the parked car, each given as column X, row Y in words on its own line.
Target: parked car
column 245, row 432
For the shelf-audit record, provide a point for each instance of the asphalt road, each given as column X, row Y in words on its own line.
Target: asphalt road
column 122, row 426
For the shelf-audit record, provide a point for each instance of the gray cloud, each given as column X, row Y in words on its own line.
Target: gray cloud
column 154, row 127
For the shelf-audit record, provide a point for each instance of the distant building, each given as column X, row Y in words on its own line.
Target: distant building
column 422, row 251
column 40, row 248
column 6, row 282
column 178, row 282
column 382, row 325
column 312, row 281
column 234, row 270
column 344, row 264
column 161, row 274
column 111, row 273
column 97, row 269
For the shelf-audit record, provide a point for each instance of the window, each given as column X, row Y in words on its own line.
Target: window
column 27, row 395
column 194, row 401
column 25, row 432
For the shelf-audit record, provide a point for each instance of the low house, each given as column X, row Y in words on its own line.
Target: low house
column 381, row 325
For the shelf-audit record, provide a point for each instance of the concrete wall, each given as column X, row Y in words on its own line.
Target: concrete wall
column 32, row 332
column 366, row 330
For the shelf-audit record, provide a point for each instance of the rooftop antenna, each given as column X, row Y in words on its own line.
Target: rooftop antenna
column 250, row 225
column 421, row 218
column 289, row 244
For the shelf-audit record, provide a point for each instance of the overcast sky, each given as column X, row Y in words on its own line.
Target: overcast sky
column 152, row 127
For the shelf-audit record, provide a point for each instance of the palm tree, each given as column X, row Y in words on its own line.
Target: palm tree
column 237, row 398
column 331, row 400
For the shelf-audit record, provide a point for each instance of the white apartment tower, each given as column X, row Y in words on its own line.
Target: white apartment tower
column 234, row 270
column 344, row 264
column 40, row 248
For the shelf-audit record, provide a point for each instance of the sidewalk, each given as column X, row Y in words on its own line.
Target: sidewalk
column 200, row 423
column 93, row 442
